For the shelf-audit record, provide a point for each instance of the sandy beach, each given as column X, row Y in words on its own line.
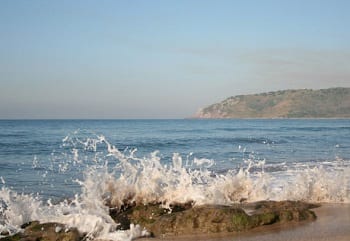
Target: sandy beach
column 332, row 223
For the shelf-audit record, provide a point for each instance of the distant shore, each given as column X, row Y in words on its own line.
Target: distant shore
column 270, row 118
column 301, row 103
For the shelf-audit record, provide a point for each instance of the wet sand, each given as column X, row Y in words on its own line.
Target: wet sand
column 332, row 224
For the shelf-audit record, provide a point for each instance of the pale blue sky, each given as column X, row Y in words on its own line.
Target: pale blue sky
column 163, row 59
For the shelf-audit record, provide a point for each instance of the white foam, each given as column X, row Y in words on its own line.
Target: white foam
column 89, row 216
column 148, row 180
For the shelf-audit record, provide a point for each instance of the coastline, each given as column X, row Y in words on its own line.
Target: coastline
column 332, row 223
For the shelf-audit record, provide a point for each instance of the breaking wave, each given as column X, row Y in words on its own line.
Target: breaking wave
column 114, row 178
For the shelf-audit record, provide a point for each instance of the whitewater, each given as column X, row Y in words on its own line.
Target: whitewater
column 75, row 175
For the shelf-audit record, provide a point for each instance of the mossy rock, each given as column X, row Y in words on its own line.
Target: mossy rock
column 34, row 231
column 185, row 219
column 241, row 221
column 15, row 237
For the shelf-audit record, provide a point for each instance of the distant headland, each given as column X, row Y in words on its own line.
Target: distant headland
column 301, row 103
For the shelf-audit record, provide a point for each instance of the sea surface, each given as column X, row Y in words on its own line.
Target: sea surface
column 69, row 170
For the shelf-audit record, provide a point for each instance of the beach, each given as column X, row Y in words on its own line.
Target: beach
column 332, row 223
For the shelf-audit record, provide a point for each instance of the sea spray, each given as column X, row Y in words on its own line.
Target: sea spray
column 318, row 184
column 114, row 178
column 88, row 216
column 16, row 209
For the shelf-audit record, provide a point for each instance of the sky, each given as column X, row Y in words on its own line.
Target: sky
column 163, row 59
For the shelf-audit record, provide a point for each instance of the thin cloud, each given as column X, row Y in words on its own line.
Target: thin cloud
column 300, row 68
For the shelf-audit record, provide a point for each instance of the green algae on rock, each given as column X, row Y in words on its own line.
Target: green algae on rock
column 181, row 219
column 186, row 220
column 35, row 231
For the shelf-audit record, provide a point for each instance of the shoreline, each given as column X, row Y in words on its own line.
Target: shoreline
column 332, row 223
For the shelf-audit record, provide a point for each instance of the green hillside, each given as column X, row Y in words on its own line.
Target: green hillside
column 303, row 103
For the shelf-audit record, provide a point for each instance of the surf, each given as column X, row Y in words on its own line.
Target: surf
column 114, row 178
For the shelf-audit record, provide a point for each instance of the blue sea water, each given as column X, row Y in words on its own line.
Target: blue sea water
column 73, row 171
column 36, row 156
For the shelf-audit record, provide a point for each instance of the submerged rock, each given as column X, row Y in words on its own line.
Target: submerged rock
column 185, row 219
column 34, row 231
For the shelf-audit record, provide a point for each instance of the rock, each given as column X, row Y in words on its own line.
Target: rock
column 35, row 231
column 285, row 210
column 185, row 219
column 181, row 219
column 4, row 233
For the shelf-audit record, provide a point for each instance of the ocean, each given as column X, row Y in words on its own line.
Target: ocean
column 68, row 170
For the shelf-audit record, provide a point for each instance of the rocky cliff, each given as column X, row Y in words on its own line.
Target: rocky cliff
column 302, row 103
